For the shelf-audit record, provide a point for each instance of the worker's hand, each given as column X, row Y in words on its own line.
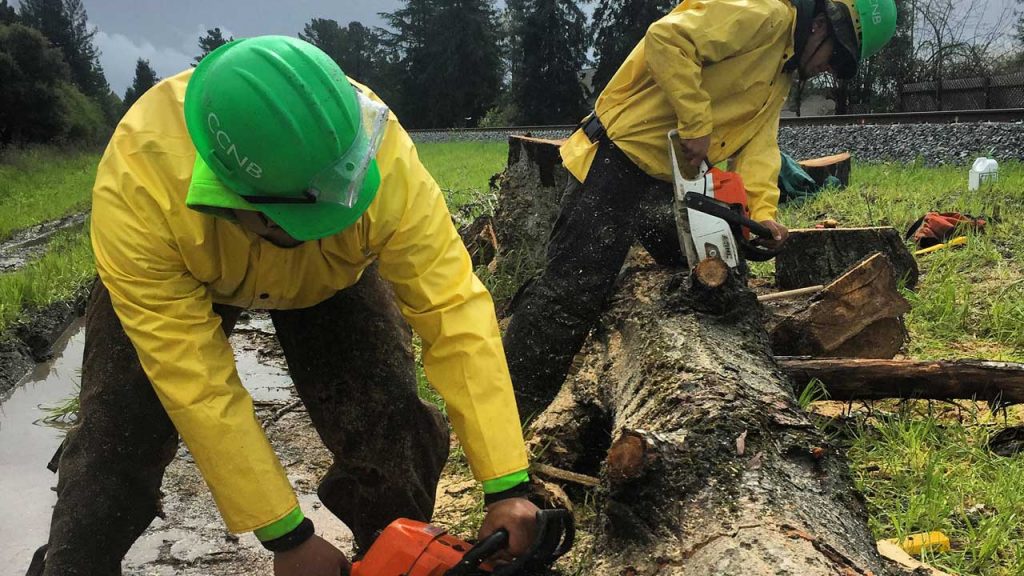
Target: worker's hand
column 779, row 233
column 695, row 150
column 314, row 557
column 519, row 517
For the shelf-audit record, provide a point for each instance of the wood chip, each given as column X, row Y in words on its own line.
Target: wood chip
column 892, row 551
column 741, row 443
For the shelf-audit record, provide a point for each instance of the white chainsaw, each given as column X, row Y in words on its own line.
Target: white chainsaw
column 711, row 215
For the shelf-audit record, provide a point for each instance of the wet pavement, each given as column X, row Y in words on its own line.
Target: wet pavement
column 192, row 539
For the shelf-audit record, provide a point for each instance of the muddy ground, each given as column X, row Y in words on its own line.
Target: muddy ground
column 190, row 539
column 30, row 243
column 29, row 341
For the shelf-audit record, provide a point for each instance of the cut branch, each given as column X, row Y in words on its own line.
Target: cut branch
column 863, row 379
column 564, row 475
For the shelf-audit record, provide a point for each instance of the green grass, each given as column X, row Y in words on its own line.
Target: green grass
column 40, row 184
column 66, row 266
column 463, row 171
column 919, row 469
column 970, row 300
column 919, row 474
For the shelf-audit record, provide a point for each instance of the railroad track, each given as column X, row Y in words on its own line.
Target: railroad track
column 943, row 117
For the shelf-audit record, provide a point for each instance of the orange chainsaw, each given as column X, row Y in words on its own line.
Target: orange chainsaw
column 411, row 548
column 712, row 217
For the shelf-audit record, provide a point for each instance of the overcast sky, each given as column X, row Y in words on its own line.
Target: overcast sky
column 167, row 32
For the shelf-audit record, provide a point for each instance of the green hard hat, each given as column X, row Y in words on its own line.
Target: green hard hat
column 278, row 128
column 862, row 27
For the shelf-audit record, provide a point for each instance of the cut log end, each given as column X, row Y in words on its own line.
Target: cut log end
column 627, row 457
column 711, row 273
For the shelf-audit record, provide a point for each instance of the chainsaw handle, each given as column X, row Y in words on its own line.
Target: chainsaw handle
column 556, row 531
column 757, row 253
column 720, row 209
column 479, row 553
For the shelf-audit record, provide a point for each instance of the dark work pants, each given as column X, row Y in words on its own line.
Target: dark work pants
column 598, row 222
column 351, row 360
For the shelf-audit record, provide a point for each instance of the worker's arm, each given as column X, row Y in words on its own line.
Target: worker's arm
column 423, row 257
column 679, row 45
column 758, row 163
column 168, row 316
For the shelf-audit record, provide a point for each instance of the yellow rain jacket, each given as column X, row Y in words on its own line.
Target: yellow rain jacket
column 708, row 67
column 165, row 265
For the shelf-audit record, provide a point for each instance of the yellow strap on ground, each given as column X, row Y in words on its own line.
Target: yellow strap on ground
column 954, row 242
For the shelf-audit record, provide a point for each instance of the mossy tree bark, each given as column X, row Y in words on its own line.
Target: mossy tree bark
column 712, row 467
column 705, row 462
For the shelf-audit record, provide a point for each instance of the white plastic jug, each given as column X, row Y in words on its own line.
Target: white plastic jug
column 984, row 170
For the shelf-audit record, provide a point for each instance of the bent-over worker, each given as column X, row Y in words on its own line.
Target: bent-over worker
column 267, row 179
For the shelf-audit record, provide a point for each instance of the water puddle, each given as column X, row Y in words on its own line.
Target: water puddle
column 25, row 448
column 26, row 444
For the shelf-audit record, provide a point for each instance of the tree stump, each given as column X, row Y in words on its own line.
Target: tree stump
column 859, row 315
column 530, row 190
column 819, row 169
column 706, row 463
column 820, row 255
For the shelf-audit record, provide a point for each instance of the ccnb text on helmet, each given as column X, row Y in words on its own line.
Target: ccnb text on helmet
column 229, row 147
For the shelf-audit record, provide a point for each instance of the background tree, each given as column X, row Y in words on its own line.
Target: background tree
column 145, row 78
column 449, row 62
column 359, row 51
column 209, row 42
column 1020, row 29
column 65, row 23
column 549, row 50
column 7, row 13
column 618, row 26
column 38, row 102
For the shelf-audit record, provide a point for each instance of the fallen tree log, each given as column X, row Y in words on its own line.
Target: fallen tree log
column 820, row 255
column 706, row 463
column 866, row 379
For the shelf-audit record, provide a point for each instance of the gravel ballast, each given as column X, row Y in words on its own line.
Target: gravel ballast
column 934, row 144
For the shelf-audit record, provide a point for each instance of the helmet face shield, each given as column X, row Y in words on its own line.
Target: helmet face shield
column 311, row 165
column 846, row 51
column 341, row 182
